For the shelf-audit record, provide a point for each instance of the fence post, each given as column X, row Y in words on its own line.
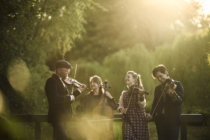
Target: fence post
column 184, row 131
column 37, row 130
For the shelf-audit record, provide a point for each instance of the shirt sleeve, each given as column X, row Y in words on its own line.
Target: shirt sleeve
column 121, row 105
column 51, row 90
column 112, row 103
column 71, row 97
column 180, row 91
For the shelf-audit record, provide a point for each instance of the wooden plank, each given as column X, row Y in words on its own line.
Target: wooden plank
column 193, row 118
column 30, row 118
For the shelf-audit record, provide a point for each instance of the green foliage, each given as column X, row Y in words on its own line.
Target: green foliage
column 204, row 111
column 138, row 59
column 126, row 23
column 186, row 60
column 35, row 32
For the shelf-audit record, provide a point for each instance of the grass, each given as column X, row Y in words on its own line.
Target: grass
column 198, row 132
column 193, row 132
column 118, row 131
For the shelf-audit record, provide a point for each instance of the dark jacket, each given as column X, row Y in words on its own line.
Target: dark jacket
column 172, row 108
column 60, row 109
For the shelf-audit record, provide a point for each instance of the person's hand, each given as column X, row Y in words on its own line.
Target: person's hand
column 82, row 88
column 141, row 91
column 149, row 117
column 123, row 110
column 108, row 95
column 172, row 93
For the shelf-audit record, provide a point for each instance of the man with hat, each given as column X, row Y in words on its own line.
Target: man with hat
column 60, row 110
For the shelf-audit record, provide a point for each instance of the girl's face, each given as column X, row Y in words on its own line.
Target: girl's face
column 129, row 80
column 94, row 85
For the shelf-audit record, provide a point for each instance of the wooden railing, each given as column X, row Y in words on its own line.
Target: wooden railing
column 38, row 119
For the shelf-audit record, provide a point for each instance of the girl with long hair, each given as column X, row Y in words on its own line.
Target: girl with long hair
column 131, row 104
column 91, row 105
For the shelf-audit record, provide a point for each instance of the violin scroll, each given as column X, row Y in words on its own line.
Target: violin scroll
column 106, row 85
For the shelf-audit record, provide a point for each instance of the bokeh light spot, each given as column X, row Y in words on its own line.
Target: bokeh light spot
column 18, row 74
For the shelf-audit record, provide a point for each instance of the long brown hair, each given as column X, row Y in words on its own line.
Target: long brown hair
column 97, row 80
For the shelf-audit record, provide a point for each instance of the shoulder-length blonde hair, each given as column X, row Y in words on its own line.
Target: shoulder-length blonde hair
column 137, row 78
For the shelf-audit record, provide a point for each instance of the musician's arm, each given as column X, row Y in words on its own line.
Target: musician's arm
column 53, row 96
column 180, row 91
column 108, row 95
column 121, row 105
column 112, row 103
column 77, row 93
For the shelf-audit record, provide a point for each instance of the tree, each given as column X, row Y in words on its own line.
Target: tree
column 126, row 23
column 33, row 32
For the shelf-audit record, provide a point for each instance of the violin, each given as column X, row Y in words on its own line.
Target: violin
column 141, row 91
column 169, row 86
column 72, row 82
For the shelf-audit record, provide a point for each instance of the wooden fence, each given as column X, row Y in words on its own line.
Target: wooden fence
column 38, row 119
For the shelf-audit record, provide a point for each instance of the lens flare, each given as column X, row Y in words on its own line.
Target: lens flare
column 93, row 129
column 18, row 74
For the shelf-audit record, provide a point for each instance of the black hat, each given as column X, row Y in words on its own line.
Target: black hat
column 63, row 64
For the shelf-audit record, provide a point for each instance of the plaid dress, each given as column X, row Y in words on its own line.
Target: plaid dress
column 134, row 121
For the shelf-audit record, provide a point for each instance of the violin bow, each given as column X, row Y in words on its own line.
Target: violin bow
column 72, row 90
column 159, row 100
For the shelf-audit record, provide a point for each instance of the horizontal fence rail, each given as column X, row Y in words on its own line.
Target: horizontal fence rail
column 38, row 119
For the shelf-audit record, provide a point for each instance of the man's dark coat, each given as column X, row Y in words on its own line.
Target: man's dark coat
column 60, row 109
column 172, row 109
